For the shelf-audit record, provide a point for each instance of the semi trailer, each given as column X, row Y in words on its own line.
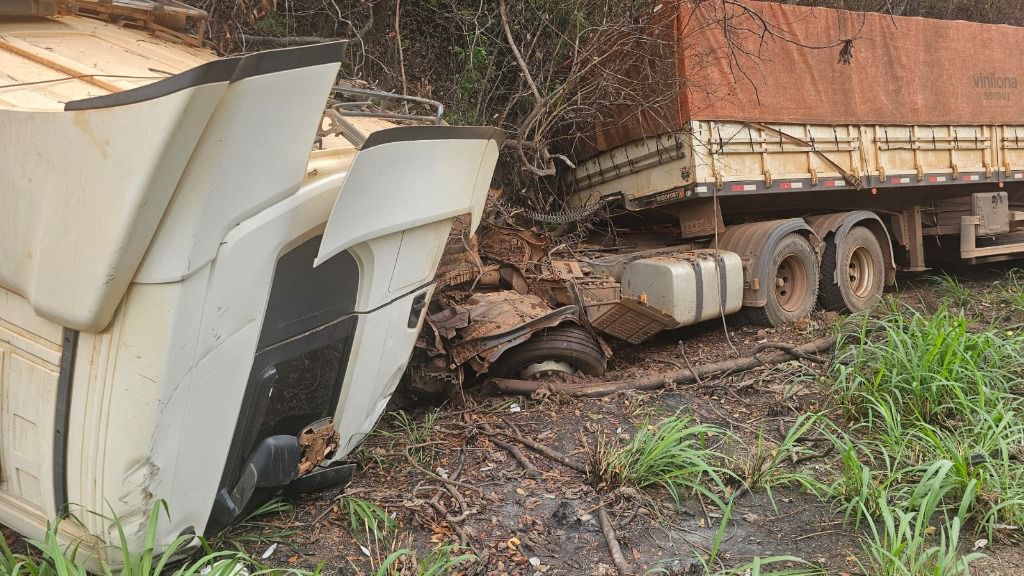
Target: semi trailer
column 801, row 158
column 815, row 178
column 197, row 304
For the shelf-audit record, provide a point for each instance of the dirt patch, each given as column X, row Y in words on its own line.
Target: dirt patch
column 518, row 524
column 509, row 478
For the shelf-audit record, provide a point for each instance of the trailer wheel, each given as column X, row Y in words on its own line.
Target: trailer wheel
column 853, row 272
column 562, row 350
column 792, row 283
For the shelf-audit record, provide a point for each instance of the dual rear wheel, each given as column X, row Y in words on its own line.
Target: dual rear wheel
column 850, row 278
column 793, row 283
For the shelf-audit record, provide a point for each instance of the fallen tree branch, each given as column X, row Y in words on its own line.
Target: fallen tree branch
column 613, row 542
column 436, row 504
column 449, row 484
column 542, row 449
column 807, row 457
column 515, row 52
column 434, row 475
column 788, row 349
column 681, row 376
column 531, row 470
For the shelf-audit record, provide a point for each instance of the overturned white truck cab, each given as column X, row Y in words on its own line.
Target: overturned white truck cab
column 194, row 306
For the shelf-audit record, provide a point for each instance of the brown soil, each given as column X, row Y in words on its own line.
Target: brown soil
column 510, row 519
column 522, row 525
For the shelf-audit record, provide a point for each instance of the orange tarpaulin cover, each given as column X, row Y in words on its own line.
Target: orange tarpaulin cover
column 781, row 64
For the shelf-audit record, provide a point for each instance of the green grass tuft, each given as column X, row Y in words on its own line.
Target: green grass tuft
column 934, row 438
column 673, row 454
column 953, row 291
column 902, row 541
column 51, row 558
column 441, row 561
column 932, row 369
column 766, row 465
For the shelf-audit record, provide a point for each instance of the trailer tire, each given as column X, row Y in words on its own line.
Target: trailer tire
column 791, row 283
column 565, row 345
column 860, row 289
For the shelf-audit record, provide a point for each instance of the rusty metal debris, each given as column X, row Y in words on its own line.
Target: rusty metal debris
column 514, row 289
column 317, row 442
column 497, row 292
column 512, row 246
column 497, row 321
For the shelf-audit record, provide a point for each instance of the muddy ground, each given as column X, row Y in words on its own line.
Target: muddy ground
column 546, row 521
column 520, row 524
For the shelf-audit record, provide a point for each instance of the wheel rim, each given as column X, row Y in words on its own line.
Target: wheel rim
column 791, row 283
column 539, row 370
column 861, row 273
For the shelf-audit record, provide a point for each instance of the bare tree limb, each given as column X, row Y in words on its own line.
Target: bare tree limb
column 613, row 542
column 681, row 376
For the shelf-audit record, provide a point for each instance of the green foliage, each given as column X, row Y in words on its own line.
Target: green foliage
column 953, row 290
column 274, row 24
column 765, row 465
column 54, row 559
column 858, row 488
column 931, row 369
column 366, row 519
column 406, row 432
column 935, row 438
column 1010, row 291
column 672, row 454
column 716, row 544
column 901, row 541
column 440, row 562
column 474, row 70
column 764, row 567
column 411, row 431
column 252, row 531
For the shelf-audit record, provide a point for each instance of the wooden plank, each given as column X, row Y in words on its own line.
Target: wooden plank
column 42, row 60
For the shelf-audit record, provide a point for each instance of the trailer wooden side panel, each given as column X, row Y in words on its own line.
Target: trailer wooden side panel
column 733, row 158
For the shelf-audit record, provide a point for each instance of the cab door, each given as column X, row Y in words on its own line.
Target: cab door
column 395, row 210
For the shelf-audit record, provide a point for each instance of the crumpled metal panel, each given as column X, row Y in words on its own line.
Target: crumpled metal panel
column 498, row 321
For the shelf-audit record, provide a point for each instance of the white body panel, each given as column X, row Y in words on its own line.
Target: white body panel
column 106, row 216
column 410, row 187
column 30, row 350
column 691, row 286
